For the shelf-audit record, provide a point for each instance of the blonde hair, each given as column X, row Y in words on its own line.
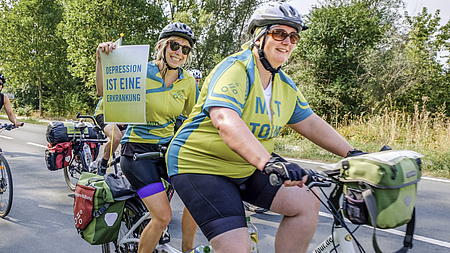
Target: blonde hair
column 162, row 44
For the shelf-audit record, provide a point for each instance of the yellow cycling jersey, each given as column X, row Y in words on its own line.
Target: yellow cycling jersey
column 163, row 106
column 235, row 84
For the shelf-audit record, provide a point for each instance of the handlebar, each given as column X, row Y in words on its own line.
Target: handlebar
column 79, row 116
column 150, row 155
column 315, row 179
column 10, row 127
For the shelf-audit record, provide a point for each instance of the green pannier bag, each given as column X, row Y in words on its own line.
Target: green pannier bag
column 106, row 212
column 380, row 190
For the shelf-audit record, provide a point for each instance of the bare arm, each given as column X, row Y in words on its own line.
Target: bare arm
column 105, row 47
column 322, row 134
column 10, row 113
column 235, row 133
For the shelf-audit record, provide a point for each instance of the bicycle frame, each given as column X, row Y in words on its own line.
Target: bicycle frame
column 341, row 238
column 128, row 237
column 81, row 159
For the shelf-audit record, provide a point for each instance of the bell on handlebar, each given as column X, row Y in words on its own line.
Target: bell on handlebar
column 275, row 180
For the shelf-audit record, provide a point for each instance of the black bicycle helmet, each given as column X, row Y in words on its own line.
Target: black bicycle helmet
column 178, row 29
column 275, row 13
column 2, row 77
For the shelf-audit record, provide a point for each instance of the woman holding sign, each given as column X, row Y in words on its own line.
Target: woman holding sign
column 222, row 154
column 170, row 91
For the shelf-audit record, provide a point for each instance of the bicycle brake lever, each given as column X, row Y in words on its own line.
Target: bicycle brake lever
column 319, row 184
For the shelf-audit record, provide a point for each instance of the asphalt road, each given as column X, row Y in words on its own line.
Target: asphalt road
column 41, row 218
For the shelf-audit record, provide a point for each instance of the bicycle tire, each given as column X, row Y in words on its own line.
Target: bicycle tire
column 6, row 188
column 73, row 172
column 132, row 212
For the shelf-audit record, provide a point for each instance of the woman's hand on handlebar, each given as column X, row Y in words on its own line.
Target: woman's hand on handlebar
column 18, row 124
column 280, row 171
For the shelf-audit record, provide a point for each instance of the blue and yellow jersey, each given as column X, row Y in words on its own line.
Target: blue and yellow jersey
column 99, row 108
column 235, row 84
column 163, row 106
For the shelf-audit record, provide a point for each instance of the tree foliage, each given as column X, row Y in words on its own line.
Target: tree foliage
column 340, row 35
column 87, row 23
column 34, row 53
column 220, row 27
column 356, row 57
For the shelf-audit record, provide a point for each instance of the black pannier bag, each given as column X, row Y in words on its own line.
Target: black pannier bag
column 63, row 131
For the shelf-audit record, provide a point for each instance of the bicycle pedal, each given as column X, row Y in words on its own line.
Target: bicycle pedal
column 165, row 237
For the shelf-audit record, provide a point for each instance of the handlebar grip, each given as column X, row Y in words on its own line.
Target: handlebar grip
column 275, row 180
column 148, row 155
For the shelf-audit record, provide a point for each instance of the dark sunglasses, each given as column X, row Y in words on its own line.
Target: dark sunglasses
column 280, row 35
column 174, row 46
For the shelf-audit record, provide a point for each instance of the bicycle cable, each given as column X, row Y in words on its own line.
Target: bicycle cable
column 337, row 217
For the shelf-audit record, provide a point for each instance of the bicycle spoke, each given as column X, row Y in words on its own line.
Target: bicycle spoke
column 6, row 190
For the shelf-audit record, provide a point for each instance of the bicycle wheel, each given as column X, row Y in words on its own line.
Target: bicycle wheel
column 73, row 172
column 132, row 212
column 6, row 187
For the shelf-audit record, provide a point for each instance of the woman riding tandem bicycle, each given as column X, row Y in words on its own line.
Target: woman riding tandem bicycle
column 165, row 79
column 222, row 154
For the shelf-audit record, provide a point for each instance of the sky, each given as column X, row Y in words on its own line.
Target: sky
column 412, row 6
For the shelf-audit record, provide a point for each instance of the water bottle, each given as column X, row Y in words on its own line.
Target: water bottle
column 200, row 249
column 253, row 233
column 87, row 154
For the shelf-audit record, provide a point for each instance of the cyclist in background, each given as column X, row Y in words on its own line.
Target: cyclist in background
column 165, row 78
column 112, row 131
column 197, row 74
column 5, row 102
column 221, row 155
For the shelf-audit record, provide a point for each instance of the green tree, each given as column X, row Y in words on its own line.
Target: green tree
column 88, row 23
column 426, row 39
column 34, row 52
column 327, row 62
column 220, row 27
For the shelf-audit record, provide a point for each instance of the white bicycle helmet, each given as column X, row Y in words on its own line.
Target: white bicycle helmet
column 275, row 13
column 270, row 14
column 2, row 77
column 196, row 73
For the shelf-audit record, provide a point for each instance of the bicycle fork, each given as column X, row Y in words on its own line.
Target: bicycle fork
column 341, row 238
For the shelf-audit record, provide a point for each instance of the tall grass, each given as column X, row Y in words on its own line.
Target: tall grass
column 424, row 132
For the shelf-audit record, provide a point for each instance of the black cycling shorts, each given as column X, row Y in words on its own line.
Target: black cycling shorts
column 144, row 175
column 101, row 122
column 215, row 202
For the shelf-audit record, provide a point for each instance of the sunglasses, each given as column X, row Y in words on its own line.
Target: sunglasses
column 174, row 46
column 281, row 35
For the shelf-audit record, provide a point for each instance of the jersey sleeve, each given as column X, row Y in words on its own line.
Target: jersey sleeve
column 191, row 100
column 301, row 110
column 228, row 87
